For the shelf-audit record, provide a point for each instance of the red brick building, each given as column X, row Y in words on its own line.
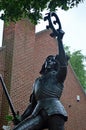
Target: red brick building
column 21, row 57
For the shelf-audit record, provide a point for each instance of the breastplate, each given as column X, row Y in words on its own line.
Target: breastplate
column 48, row 86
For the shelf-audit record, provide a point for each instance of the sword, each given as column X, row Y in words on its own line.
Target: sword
column 29, row 123
column 8, row 97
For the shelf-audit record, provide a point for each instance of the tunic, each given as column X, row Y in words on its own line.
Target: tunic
column 48, row 90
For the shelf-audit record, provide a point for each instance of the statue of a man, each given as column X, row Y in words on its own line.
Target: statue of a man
column 47, row 90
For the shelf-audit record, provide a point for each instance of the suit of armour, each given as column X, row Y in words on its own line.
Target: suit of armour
column 48, row 90
column 45, row 108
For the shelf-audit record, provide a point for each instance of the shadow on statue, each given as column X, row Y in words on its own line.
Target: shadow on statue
column 45, row 109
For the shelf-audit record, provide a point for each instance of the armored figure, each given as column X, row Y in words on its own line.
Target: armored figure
column 45, row 109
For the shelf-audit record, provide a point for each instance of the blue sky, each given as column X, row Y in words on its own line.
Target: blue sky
column 74, row 25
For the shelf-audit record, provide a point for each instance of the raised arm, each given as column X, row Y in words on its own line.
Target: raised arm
column 62, row 56
column 57, row 33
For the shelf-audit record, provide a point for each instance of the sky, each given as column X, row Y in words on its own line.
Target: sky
column 73, row 24
column 1, row 31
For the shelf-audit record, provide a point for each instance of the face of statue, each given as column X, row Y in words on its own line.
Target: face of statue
column 50, row 62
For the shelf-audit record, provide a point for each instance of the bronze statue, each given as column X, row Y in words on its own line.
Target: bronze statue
column 45, row 109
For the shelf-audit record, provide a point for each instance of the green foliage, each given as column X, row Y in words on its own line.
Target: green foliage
column 9, row 119
column 18, row 9
column 77, row 61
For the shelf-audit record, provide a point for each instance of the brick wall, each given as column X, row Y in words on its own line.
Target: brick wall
column 8, row 53
column 76, row 110
column 24, row 55
column 44, row 46
column 1, row 72
column 22, row 66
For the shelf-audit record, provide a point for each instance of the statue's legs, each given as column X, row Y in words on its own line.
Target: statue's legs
column 33, row 123
column 56, row 122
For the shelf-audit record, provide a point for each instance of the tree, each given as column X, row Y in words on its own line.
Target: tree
column 77, row 62
column 18, row 9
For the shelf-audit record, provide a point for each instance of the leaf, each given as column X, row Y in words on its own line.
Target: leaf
column 18, row 9
column 9, row 118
